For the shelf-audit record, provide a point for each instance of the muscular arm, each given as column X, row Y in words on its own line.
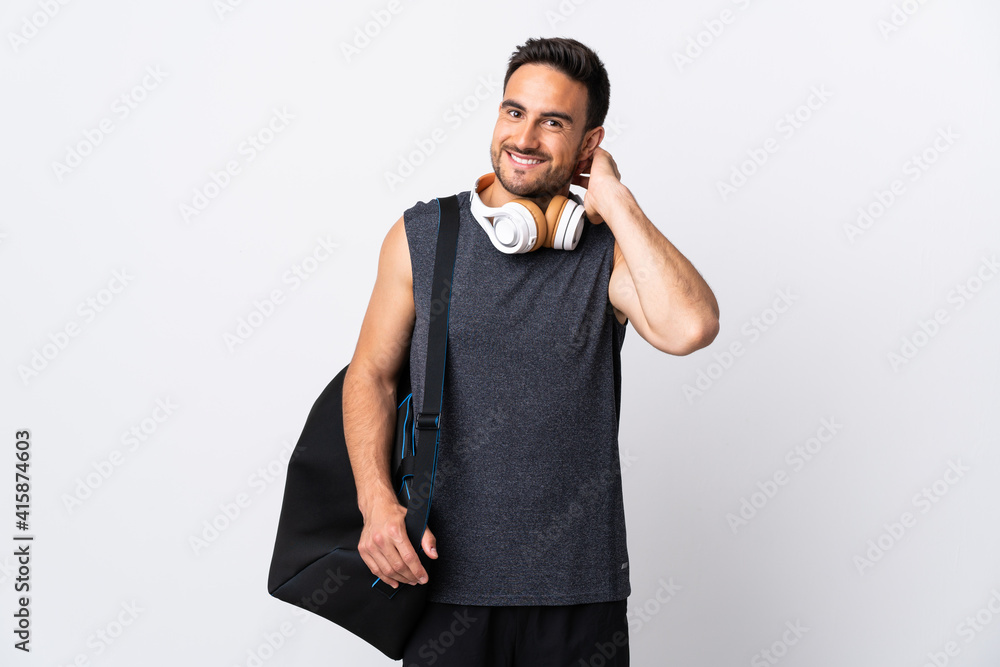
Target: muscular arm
column 370, row 384
column 370, row 416
column 652, row 284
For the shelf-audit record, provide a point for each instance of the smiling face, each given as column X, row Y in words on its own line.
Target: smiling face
column 538, row 140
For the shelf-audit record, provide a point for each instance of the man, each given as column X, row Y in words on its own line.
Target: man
column 527, row 507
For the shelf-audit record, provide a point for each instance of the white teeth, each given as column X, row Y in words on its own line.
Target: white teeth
column 520, row 161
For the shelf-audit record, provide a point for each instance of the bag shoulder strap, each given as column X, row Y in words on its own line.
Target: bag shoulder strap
column 428, row 420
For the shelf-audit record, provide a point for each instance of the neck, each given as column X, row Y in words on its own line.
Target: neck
column 495, row 196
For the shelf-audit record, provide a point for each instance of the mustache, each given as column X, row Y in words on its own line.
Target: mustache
column 528, row 153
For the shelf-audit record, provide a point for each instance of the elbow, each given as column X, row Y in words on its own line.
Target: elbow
column 698, row 335
column 705, row 333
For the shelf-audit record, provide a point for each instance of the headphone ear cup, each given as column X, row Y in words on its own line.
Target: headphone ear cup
column 565, row 217
column 574, row 216
column 540, row 230
column 553, row 218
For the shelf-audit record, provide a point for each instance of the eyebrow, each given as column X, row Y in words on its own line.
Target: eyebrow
column 549, row 114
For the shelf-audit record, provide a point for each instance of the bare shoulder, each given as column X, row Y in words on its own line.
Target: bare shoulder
column 395, row 255
column 387, row 328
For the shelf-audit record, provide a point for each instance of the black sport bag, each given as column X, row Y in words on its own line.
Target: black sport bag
column 316, row 564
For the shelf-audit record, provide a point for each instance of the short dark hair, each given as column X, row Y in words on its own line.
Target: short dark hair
column 577, row 61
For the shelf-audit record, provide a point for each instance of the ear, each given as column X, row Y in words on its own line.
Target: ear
column 591, row 141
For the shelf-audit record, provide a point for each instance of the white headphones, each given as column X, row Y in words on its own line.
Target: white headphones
column 520, row 226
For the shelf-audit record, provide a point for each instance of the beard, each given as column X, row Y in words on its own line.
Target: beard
column 543, row 185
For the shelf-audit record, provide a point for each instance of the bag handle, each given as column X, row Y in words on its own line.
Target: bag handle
column 428, row 420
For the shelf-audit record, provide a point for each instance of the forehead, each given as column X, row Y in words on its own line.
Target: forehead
column 538, row 86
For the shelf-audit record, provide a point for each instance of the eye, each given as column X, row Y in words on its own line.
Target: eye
column 554, row 122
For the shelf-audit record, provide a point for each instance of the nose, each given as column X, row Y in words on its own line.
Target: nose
column 526, row 137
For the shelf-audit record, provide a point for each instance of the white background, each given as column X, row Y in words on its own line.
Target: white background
column 892, row 77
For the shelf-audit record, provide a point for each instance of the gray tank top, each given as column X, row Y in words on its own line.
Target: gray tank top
column 527, row 506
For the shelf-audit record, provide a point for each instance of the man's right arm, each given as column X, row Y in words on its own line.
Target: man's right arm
column 370, row 414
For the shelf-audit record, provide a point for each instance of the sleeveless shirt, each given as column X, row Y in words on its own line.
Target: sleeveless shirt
column 527, row 504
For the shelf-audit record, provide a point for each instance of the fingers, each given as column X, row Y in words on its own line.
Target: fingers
column 429, row 543
column 396, row 565
column 379, row 566
column 386, row 550
column 410, row 570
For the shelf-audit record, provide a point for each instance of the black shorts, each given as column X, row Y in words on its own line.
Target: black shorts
column 578, row 635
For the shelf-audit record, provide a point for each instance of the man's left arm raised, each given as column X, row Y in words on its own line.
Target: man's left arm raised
column 652, row 283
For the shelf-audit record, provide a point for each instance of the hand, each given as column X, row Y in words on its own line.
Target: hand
column 386, row 549
column 601, row 182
